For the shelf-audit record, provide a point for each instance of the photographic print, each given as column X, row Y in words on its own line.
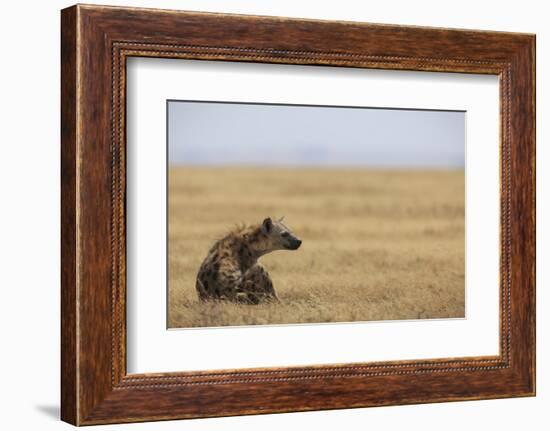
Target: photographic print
column 295, row 214
column 298, row 212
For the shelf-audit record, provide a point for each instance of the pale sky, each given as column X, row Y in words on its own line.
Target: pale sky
column 210, row 133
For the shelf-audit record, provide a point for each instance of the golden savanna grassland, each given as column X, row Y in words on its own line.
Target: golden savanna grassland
column 377, row 244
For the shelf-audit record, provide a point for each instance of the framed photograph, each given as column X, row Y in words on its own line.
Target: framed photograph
column 264, row 214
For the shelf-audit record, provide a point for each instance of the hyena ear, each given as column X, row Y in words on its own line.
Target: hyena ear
column 267, row 225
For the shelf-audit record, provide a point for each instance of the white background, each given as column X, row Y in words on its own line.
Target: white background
column 29, row 216
column 151, row 348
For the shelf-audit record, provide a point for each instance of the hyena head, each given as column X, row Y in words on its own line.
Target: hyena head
column 277, row 236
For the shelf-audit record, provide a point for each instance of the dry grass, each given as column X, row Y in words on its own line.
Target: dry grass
column 377, row 245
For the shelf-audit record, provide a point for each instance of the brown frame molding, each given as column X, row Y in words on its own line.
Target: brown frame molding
column 95, row 43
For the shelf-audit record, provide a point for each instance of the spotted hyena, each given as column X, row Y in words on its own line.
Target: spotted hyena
column 231, row 270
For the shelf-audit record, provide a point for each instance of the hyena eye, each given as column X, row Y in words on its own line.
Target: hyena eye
column 285, row 234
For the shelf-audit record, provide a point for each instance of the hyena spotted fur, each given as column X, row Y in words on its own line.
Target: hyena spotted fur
column 231, row 270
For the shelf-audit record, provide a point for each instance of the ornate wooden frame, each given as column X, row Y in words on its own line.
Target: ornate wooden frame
column 95, row 43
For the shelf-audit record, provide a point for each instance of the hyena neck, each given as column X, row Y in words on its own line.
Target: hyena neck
column 250, row 247
column 246, row 256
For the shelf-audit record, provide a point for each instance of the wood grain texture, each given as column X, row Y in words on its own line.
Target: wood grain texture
column 96, row 41
column 69, row 397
